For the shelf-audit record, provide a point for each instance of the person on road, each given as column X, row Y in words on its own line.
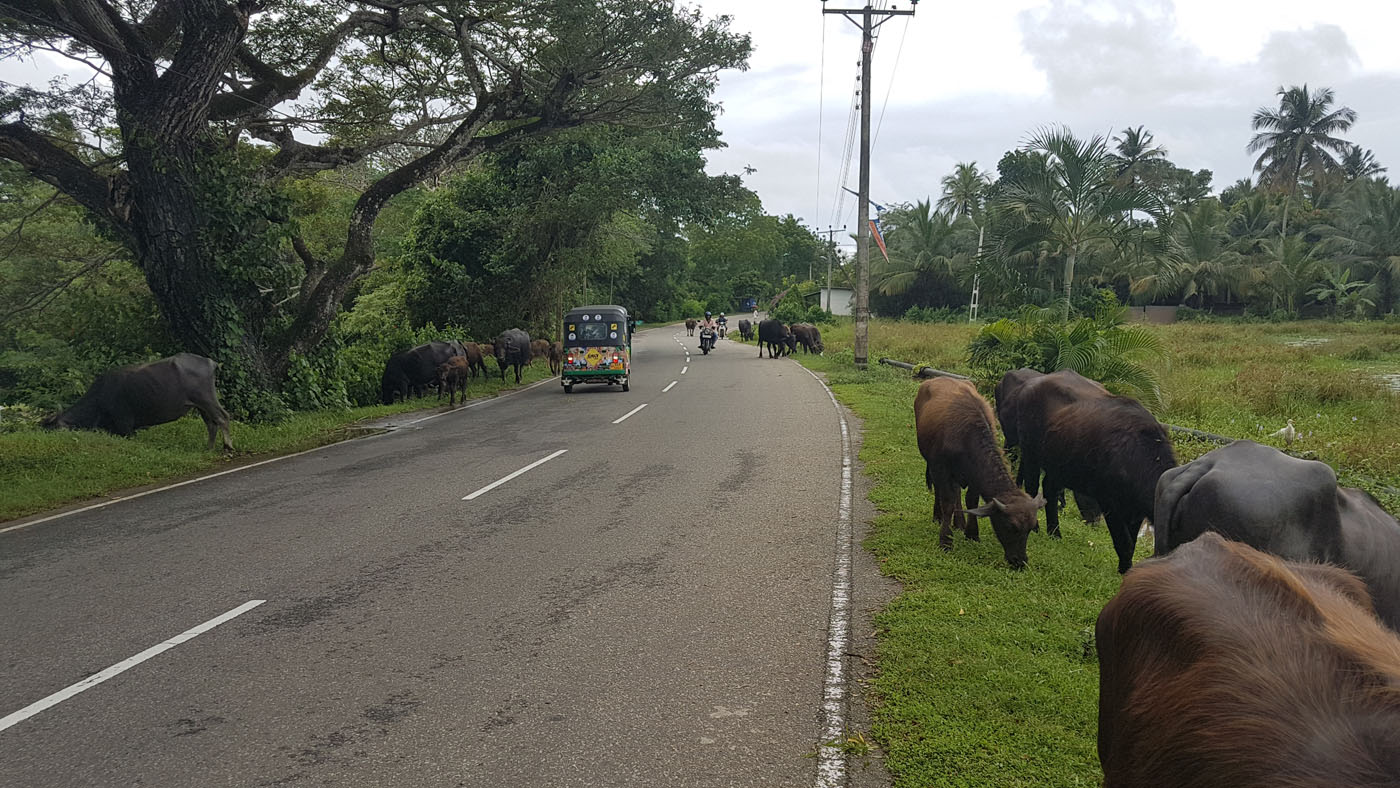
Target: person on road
column 723, row 324
column 708, row 322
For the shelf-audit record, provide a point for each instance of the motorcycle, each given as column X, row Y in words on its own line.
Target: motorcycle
column 707, row 340
column 722, row 330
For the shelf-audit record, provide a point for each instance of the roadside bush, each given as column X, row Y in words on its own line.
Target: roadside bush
column 817, row 315
column 691, row 307
column 928, row 314
column 14, row 418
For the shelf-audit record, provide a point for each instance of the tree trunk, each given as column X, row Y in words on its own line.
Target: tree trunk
column 1069, row 280
column 202, row 305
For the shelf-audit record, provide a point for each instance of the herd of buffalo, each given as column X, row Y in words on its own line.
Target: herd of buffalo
column 1259, row 647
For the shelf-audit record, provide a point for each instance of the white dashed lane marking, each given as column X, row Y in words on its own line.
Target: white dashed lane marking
column 493, row 485
column 669, row 385
column 630, row 413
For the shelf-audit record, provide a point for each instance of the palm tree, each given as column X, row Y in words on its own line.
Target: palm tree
column 1076, row 198
column 1292, row 269
column 1202, row 262
column 1359, row 164
column 1342, row 292
column 964, row 191
column 1136, row 157
column 1369, row 233
column 1299, row 138
column 921, row 242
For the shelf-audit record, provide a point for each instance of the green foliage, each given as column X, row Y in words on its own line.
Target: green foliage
column 925, row 314
column 1100, row 347
column 818, row 316
column 791, row 308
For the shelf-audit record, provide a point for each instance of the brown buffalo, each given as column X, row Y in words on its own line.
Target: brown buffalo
column 539, row 348
column 954, row 426
column 556, row 357
column 1220, row 665
column 690, row 324
column 452, row 376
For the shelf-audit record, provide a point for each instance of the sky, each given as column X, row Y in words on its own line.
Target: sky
column 967, row 81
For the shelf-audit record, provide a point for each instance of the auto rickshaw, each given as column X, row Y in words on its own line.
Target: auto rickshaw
column 597, row 347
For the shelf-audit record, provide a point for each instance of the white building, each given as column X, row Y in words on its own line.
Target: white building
column 837, row 300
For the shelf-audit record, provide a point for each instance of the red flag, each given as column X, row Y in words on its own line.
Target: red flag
column 875, row 230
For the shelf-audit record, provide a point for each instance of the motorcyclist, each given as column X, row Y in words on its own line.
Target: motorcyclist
column 708, row 322
column 723, row 324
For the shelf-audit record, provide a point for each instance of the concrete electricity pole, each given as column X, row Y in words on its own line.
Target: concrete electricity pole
column 830, row 233
column 868, row 26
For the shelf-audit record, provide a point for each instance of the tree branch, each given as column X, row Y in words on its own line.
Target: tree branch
column 106, row 197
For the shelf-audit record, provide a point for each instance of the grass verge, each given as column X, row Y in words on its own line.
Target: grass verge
column 41, row 470
column 989, row 677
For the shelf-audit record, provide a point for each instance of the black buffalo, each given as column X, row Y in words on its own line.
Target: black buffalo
column 1029, row 396
column 412, row 371
column 126, row 399
column 809, row 337
column 745, row 330
column 512, row 349
column 775, row 334
column 1291, row 508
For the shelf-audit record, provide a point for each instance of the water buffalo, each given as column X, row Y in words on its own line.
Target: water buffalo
column 476, row 359
column 453, row 375
column 556, row 357
column 1291, row 508
column 690, row 324
column 1030, row 395
column 1114, row 450
column 512, row 349
column 954, row 427
column 745, row 330
column 809, row 337
column 412, row 370
column 123, row 400
column 1220, row 665
column 539, row 348
column 775, row 335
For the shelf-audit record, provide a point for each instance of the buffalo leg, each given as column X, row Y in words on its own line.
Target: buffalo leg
column 945, row 508
column 1088, row 508
column 1052, row 508
column 970, row 530
column 1124, row 535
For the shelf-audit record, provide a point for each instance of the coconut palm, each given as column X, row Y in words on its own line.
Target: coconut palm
column 1299, row 138
column 1136, row 158
column 1201, row 262
column 1292, row 267
column 1076, row 198
column 964, row 191
column 1359, row 163
column 920, row 243
column 1368, row 234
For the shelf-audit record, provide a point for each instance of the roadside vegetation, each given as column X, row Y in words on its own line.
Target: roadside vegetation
column 988, row 676
column 40, row 470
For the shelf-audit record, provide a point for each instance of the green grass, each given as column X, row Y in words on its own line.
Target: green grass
column 988, row 677
column 40, row 470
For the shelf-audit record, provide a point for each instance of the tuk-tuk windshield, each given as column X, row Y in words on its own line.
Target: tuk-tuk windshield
column 596, row 328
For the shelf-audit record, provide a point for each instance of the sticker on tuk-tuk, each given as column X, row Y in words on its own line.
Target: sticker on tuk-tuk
column 573, row 327
column 613, row 335
column 594, row 356
column 613, row 326
column 572, row 336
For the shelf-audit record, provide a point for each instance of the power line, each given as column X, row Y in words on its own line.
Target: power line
column 899, row 51
column 821, row 105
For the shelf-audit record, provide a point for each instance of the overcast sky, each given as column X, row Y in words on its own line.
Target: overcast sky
column 973, row 78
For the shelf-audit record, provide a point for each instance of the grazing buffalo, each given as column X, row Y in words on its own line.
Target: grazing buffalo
column 809, row 337
column 1017, row 397
column 123, row 400
column 556, row 357
column 1291, row 508
column 539, row 348
column 476, row 359
column 488, row 350
column 1113, row 450
column 745, row 330
column 512, row 350
column 954, row 426
column 690, row 324
column 1220, row 665
column 453, row 375
column 776, row 336
column 412, row 371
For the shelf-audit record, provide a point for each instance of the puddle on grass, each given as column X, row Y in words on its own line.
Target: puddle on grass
column 1391, row 380
column 1306, row 341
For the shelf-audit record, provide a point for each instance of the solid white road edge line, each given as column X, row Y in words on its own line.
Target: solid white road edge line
column 831, row 763
column 493, row 485
column 669, row 385
column 629, row 413
column 251, row 465
column 126, row 664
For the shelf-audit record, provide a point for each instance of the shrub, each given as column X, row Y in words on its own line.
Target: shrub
column 1101, row 348
column 815, row 314
column 928, row 314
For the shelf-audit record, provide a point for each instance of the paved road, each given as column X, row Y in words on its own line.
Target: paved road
column 648, row 608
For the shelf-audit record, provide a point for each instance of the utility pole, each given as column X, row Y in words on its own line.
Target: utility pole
column 868, row 25
column 830, row 233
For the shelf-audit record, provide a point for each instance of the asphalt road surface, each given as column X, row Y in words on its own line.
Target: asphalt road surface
column 647, row 605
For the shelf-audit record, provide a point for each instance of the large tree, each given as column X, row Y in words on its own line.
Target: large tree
column 216, row 102
column 1299, row 138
